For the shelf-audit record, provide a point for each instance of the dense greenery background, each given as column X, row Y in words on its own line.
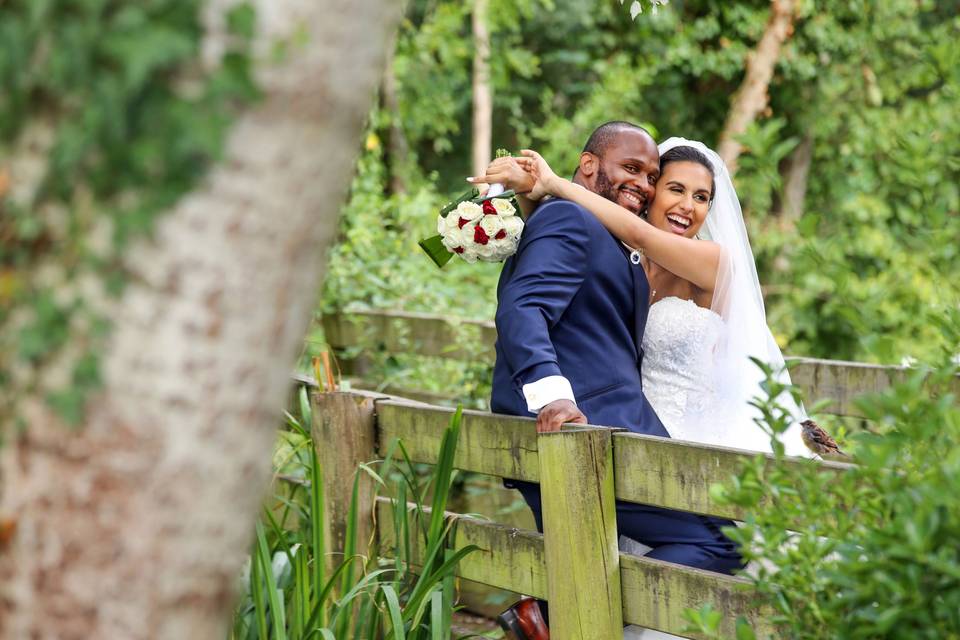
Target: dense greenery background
column 874, row 85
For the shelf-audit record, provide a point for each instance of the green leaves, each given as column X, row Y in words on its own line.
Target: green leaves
column 290, row 596
column 877, row 554
column 126, row 121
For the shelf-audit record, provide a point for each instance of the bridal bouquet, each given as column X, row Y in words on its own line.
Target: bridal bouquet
column 476, row 228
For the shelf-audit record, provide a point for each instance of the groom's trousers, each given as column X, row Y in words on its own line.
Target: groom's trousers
column 675, row 536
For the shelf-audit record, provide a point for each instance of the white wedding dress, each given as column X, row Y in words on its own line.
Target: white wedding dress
column 678, row 344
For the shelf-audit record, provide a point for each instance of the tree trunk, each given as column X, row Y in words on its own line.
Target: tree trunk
column 398, row 150
column 795, row 185
column 482, row 90
column 751, row 98
column 135, row 525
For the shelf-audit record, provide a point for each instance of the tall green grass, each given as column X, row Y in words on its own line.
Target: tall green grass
column 287, row 592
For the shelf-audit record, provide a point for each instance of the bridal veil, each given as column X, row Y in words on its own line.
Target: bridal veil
column 738, row 301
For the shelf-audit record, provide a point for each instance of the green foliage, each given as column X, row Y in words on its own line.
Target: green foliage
column 112, row 102
column 873, row 85
column 287, row 592
column 877, row 557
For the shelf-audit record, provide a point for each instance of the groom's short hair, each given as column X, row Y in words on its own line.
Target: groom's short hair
column 604, row 135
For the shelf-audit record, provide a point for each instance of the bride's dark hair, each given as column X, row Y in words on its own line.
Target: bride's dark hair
column 689, row 154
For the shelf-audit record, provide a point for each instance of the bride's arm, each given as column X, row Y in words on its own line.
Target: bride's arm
column 693, row 260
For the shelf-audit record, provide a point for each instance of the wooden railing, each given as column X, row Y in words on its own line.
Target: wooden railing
column 836, row 381
column 582, row 471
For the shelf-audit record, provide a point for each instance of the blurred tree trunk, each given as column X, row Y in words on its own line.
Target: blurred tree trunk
column 136, row 524
column 482, row 89
column 797, row 173
column 398, row 149
column 751, row 98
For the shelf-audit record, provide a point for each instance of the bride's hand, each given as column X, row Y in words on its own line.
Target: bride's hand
column 508, row 172
column 547, row 182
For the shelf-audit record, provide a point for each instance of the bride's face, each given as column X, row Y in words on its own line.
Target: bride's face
column 682, row 198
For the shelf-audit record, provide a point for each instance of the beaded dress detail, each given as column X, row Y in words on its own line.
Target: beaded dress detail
column 678, row 343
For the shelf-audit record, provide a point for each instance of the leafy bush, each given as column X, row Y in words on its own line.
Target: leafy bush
column 869, row 551
column 287, row 591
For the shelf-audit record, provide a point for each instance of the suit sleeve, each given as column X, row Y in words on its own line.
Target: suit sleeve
column 550, row 266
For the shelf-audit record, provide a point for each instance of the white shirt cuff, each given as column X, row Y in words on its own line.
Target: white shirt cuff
column 546, row 390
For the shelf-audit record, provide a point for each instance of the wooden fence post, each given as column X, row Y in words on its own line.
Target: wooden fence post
column 580, row 534
column 344, row 433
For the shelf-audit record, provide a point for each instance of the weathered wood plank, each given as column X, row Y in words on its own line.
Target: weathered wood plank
column 439, row 336
column 842, row 382
column 404, row 332
column 647, row 469
column 580, row 534
column 346, row 419
column 503, row 446
column 655, row 593
column 678, row 474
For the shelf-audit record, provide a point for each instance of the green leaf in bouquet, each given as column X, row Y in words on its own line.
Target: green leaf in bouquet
column 434, row 248
column 471, row 194
column 508, row 194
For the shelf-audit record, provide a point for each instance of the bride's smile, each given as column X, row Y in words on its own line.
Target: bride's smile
column 682, row 199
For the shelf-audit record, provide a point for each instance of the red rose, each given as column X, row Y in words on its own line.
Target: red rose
column 462, row 222
column 480, row 236
column 489, row 209
column 458, row 249
column 500, row 235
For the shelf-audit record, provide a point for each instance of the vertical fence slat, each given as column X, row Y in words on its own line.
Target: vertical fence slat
column 580, row 534
column 345, row 435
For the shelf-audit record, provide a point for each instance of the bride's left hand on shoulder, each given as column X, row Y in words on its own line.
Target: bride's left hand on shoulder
column 508, row 172
column 548, row 182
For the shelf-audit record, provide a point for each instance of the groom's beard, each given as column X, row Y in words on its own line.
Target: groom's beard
column 604, row 187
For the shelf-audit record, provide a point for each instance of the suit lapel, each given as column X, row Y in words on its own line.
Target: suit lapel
column 641, row 296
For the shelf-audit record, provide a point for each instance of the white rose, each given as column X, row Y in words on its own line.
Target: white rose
column 503, row 207
column 452, row 222
column 441, row 225
column 469, row 211
column 492, row 225
column 513, row 226
column 455, row 238
column 485, row 251
column 468, row 255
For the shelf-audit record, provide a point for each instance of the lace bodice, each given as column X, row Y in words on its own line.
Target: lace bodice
column 678, row 344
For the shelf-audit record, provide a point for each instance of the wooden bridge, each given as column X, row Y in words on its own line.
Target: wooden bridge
column 581, row 470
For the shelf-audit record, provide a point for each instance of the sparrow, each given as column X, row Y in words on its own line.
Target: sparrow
column 820, row 442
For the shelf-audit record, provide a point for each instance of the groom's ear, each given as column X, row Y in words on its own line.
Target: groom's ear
column 588, row 164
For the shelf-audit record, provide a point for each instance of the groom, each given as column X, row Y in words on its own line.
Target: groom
column 571, row 312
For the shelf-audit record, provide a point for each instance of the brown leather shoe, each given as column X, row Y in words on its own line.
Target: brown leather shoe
column 523, row 621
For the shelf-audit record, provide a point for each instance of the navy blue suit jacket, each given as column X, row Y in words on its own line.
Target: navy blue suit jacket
column 570, row 303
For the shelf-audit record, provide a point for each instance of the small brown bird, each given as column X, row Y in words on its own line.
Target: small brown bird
column 820, row 442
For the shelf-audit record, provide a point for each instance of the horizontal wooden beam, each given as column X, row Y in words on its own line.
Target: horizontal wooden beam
column 678, row 474
column 655, row 593
column 440, row 336
column 647, row 469
column 416, row 333
column 497, row 445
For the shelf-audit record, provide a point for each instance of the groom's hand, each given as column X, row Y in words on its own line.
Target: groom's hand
column 559, row 412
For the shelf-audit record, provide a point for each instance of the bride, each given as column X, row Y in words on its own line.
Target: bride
column 706, row 317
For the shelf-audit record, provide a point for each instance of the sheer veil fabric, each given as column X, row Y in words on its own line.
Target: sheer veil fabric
column 738, row 301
